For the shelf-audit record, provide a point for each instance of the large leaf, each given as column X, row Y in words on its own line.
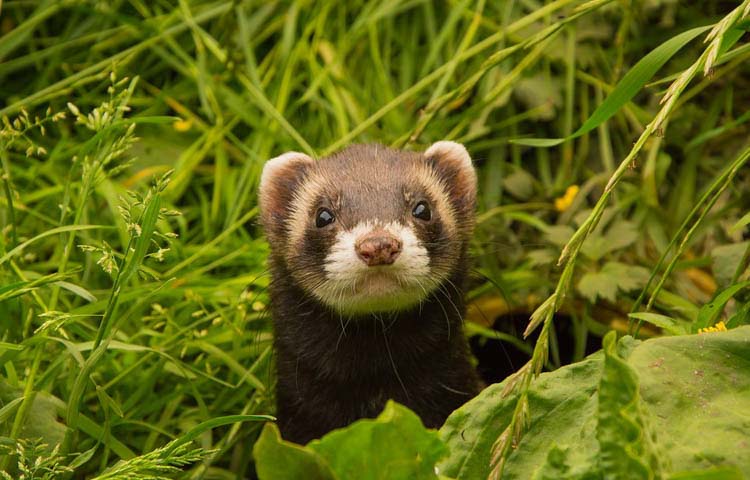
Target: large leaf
column 696, row 389
column 277, row 458
column 725, row 259
column 682, row 400
column 626, row 447
column 620, row 235
column 393, row 446
column 563, row 412
column 41, row 419
column 613, row 277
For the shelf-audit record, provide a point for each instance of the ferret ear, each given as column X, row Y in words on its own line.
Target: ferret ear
column 280, row 178
column 453, row 164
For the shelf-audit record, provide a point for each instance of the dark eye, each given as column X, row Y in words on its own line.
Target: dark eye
column 422, row 211
column 324, row 217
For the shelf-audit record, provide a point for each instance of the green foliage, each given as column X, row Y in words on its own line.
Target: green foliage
column 662, row 408
column 134, row 334
column 626, row 443
column 639, row 410
column 626, row 88
column 393, row 446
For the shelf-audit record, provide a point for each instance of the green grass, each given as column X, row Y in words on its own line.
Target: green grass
column 133, row 324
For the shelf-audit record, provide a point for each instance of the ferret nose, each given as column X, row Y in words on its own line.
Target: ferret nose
column 378, row 249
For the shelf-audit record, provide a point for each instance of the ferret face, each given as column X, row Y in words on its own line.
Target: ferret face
column 370, row 229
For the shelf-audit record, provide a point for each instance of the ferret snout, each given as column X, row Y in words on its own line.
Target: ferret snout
column 378, row 248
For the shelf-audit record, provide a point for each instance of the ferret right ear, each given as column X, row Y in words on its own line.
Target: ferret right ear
column 453, row 164
column 280, row 178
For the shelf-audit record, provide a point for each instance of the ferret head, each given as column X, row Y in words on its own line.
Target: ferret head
column 370, row 229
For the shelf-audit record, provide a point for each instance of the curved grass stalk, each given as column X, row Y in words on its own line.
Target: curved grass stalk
column 538, row 42
column 544, row 314
column 447, row 67
column 100, row 69
column 104, row 147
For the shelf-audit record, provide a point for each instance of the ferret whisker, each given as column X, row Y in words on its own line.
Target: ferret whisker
column 493, row 283
column 265, row 272
column 443, row 289
column 343, row 331
column 445, row 312
column 390, row 356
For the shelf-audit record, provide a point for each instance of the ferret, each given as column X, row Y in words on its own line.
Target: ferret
column 368, row 257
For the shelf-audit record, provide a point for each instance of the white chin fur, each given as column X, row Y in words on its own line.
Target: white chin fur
column 352, row 287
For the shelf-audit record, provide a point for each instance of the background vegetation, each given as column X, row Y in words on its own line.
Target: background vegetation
column 133, row 328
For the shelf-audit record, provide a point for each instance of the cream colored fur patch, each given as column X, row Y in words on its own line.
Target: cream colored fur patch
column 353, row 287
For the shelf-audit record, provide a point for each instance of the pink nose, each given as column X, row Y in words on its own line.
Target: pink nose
column 378, row 248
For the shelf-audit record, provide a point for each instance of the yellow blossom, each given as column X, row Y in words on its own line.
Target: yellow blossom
column 183, row 125
column 719, row 327
column 258, row 306
column 563, row 203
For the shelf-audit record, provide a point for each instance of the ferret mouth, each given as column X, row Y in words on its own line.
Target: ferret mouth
column 379, row 282
column 384, row 289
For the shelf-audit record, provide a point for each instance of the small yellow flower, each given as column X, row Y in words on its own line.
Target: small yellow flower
column 258, row 306
column 183, row 125
column 719, row 327
column 563, row 203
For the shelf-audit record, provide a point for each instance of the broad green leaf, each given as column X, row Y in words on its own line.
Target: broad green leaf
column 690, row 406
column 559, row 234
column 277, row 459
column 541, row 257
column 712, row 474
column 725, row 260
column 626, row 450
column 629, row 277
column 520, row 184
column 41, row 420
column 541, row 96
column 614, row 277
column 594, row 285
column 393, row 446
column 696, row 389
column 625, row 89
column 620, row 235
column 563, row 408
column 558, row 466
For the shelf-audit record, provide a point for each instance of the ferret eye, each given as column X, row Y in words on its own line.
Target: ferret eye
column 324, row 217
column 422, row 211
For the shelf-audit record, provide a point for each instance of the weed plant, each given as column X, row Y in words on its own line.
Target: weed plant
column 610, row 139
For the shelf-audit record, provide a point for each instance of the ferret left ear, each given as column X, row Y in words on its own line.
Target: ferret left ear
column 453, row 164
column 280, row 178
